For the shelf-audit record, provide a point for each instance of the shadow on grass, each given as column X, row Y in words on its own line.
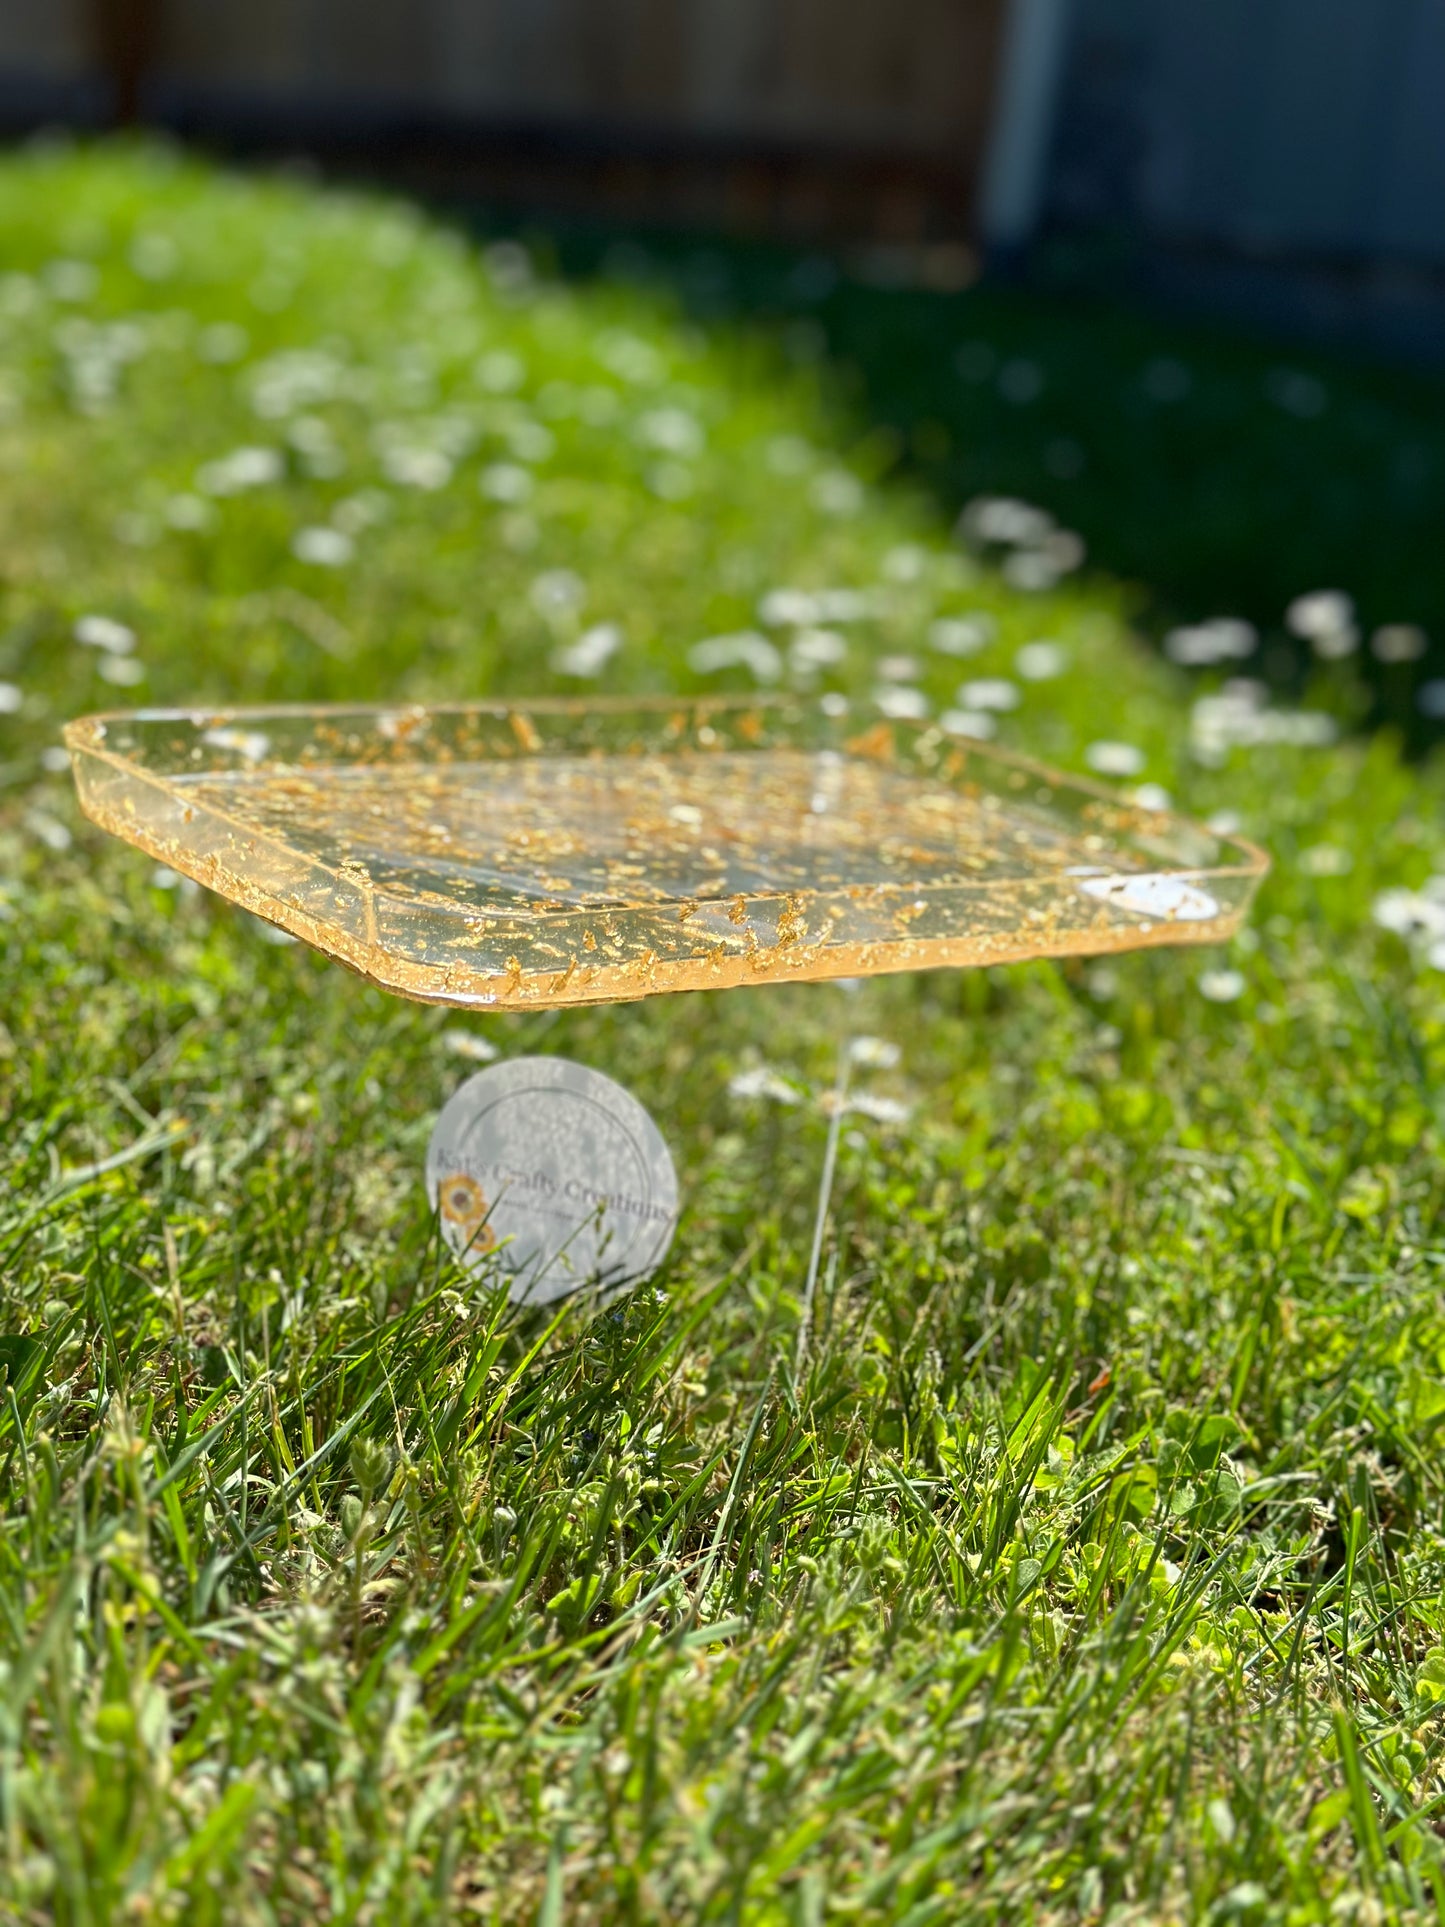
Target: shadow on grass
column 1218, row 473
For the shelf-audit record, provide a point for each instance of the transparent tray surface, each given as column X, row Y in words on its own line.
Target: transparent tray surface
column 516, row 855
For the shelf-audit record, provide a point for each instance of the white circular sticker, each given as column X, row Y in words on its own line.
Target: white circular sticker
column 554, row 1177
column 1168, row 898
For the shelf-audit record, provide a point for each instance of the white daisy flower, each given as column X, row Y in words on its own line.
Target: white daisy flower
column 590, row 654
column 765, row 1084
column 104, row 632
column 1221, row 986
column 745, row 650
column 988, row 692
column 324, row 548
column 1114, row 759
column 976, row 723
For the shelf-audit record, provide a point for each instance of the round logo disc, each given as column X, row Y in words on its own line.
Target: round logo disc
column 554, row 1177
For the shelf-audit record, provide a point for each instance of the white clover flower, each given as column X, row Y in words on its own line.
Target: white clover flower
column 788, row 608
column 1221, row 986
column 960, row 635
column 509, row 266
column 630, row 358
column 1326, row 860
column 837, row 492
column 1321, row 617
column 673, row 431
column 765, row 1084
column 456, row 434
column 297, row 378
column 849, row 605
column 254, row 745
column 501, row 372
column 1029, row 570
column 901, row 703
column 49, row 830
column 1399, row 642
column 1409, row 913
column 1336, row 645
column 906, row 562
column 364, row 510
column 1202, row 644
column 123, row 671
column 1037, row 564
column 801, row 608
column 558, row 592
column 1004, row 520
column 988, row 692
column 313, row 441
column 897, row 668
column 1224, row 823
column 878, row 1110
column 976, row 723
column 324, row 548
column 590, row 654
column 874, row 1053
column 104, row 632
column 506, row 482
column 530, row 441
column 412, row 466
column 814, row 649
column 1115, row 759
column 11, row 697
column 747, row 649
column 1041, row 661
column 190, row 512
column 466, row 1043
column 1153, row 796
column 242, row 469
column 1238, row 717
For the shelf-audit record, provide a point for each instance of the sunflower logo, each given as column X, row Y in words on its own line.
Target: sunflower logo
column 464, row 1204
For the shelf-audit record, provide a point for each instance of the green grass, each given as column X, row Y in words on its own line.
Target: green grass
column 1091, row 1565
column 1216, row 473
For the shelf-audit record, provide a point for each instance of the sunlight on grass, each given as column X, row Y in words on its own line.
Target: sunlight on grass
column 1083, row 1561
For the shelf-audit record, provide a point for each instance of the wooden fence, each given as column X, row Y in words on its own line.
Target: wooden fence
column 835, row 98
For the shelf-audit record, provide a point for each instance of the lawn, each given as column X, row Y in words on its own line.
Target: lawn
column 1086, row 1563
column 1215, row 473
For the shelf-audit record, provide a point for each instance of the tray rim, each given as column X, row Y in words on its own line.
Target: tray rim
column 1256, row 865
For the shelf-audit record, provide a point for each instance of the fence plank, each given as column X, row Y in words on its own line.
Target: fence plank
column 910, row 75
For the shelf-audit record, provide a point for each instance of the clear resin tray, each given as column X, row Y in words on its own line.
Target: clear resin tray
column 555, row 852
